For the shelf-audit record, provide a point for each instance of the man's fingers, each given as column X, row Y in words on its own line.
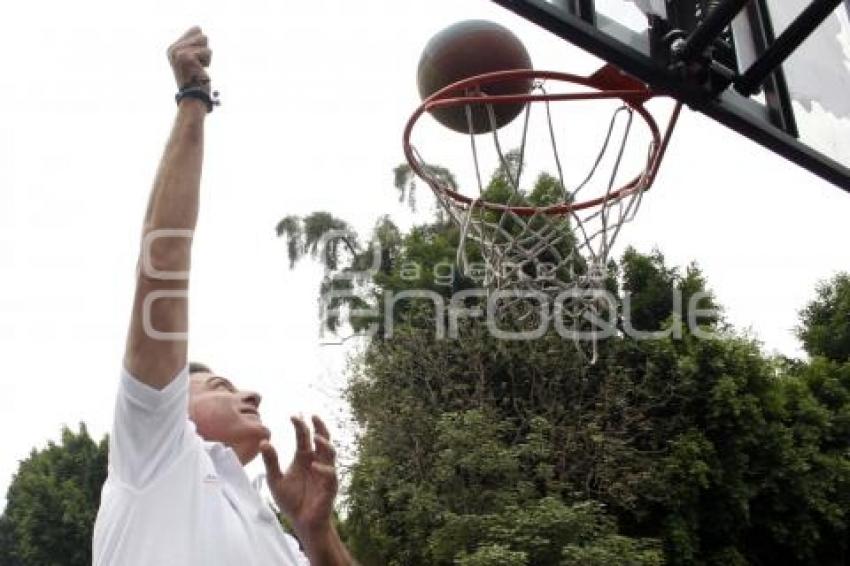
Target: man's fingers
column 192, row 31
column 188, row 55
column 270, row 459
column 302, row 436
column 199, row 40
column 204, row 55
column 321, row 429
column 198, row 78
column 324, row 450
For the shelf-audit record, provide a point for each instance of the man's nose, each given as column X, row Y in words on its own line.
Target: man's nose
column 252, row 397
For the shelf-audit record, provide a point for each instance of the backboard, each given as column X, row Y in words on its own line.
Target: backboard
column 776, row 71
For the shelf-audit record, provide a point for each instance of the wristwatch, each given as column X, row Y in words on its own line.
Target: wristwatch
column 198, row 92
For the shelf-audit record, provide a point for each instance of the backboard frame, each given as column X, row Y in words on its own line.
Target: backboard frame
column 645, row 58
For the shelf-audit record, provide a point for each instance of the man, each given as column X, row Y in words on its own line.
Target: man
column 176, row 492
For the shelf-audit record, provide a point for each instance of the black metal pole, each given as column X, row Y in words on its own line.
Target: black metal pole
column 796, row 33
column 583, row 9
column 776, row 93
column 587, row 11
column 715, row 22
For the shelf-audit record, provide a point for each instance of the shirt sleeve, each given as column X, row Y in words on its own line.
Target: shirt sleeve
column 296, row 555
column 150, row 430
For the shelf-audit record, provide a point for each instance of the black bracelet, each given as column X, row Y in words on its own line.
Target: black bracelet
column 199, row 93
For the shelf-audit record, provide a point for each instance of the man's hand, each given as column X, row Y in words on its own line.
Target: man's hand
column 189, row 56
column 306, row 491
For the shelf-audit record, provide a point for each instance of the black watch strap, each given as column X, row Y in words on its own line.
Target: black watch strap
column 199, row 93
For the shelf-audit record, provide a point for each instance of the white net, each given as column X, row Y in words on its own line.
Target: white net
column 543, row 252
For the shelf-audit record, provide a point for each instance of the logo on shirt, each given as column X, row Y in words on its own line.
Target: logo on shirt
column 210, row 478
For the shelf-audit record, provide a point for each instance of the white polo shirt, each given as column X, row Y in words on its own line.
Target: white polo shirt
column 171, row 498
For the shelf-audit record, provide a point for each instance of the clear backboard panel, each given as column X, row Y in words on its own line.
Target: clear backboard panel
column 818, row 76
column 796, row 105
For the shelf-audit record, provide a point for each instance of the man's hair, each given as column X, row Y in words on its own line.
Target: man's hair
column 195, row 367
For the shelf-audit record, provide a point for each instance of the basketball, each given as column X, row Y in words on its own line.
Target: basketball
column 467, row 49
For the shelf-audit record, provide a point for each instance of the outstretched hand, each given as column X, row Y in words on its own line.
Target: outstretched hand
column 305, row 492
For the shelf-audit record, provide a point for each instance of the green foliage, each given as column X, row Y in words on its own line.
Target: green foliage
column 290, row 228
column 613, row 549
column 825, row 323
column 462, row 453
column 404, row 180
column 653, row 289
column 307, row 235
column 679, row 450
column 493, row 555
column 8, row 546
column 52, row 503
column 476, row 447
column 651, row 286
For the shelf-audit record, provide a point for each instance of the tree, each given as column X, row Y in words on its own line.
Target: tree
column 825, row 322
column 308, row 234
column 704, row 444
column 467, row 482
column 653, row 289
column 8, row 550
column 680, row 448
column 52, row 503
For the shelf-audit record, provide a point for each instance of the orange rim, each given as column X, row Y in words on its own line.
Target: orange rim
column 465, row 91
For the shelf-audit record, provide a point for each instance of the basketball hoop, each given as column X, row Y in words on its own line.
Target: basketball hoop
column 548, row 248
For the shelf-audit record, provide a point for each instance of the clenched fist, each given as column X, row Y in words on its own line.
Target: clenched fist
column 189, row 56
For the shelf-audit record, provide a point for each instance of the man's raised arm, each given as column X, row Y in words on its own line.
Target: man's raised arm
column 158, row 336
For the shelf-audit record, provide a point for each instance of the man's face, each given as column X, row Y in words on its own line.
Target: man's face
column 222, row 413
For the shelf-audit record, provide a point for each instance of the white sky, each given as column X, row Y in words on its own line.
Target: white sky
column 315, row 95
